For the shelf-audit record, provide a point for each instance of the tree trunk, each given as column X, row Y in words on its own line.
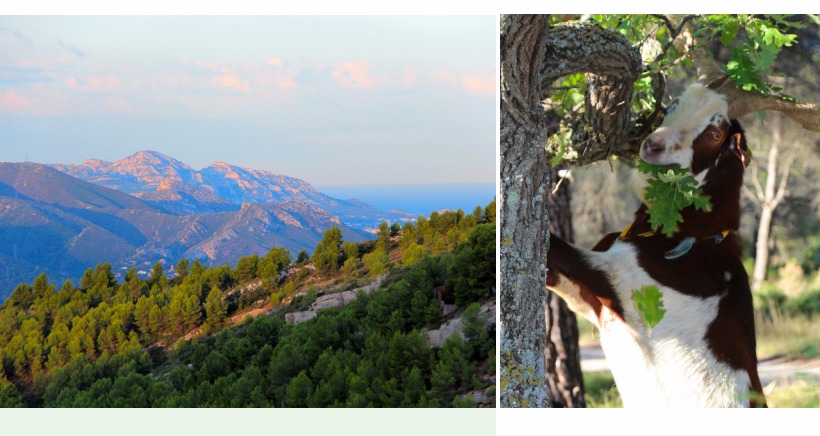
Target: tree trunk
column 524, row 221
column 762, row 246
column 564, row 378
column 533, row 57
column 769, row 198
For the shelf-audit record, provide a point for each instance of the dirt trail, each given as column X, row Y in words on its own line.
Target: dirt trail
column 772, row 369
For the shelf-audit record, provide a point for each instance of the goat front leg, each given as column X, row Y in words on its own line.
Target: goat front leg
column 586, row 289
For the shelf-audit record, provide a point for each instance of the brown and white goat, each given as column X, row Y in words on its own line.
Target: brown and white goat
column 702, row 353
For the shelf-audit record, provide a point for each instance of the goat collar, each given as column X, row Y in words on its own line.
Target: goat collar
column 683, row 247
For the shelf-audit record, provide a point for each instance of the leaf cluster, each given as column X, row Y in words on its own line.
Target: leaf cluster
column 753, row 56
column 671, row 189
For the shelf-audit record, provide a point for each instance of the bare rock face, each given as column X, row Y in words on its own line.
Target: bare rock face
column 453, row 326
column 336, row 299
column 297, row 317
column 340, row 299
column 144, row 171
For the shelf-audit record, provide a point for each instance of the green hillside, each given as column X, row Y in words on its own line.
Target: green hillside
column 217, row 337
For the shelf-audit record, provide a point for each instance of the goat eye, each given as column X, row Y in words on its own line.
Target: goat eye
column 715, row 135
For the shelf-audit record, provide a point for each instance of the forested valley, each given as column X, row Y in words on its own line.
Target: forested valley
column 218, row 337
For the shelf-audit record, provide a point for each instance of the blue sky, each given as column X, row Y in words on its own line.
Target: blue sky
column 332, row 100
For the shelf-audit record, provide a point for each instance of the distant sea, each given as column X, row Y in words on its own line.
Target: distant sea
column 416, row 199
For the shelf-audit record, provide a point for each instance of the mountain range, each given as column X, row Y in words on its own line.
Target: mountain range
column 148, row 208
column 174, row 186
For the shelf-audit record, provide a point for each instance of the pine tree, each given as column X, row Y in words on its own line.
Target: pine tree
column 156, row 320
column 158, row 276
column 87, row 280
column 326, row 256
column 384, row 232
column 298, row 391
column 192, row 311
column 182, row 268
column 246, row 268
column 302, row 257
column 216, row 310
column 414, row 388
column 41, row 288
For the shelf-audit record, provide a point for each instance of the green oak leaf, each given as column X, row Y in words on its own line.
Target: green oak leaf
column 742, row 70
column 730, row 30
column 649, row 304
column 670, row 189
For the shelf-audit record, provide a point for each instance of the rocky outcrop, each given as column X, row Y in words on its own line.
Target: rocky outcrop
column 336, row 299
column 453, row 326
column 297, row 317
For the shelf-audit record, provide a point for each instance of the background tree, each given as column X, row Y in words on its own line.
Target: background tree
column 87, row 280
column 216, row 310
column 280, row 257
column 133, row 285
column 376, row 261
column 351, row 254
column 302, row 257
column 182, row 268
column 328, row 251
column 395, row 228
column 384, row 232
column 22, row 296
column 563, row 356
column 768, row 198
column 246, row 268
column 104, row 277
column 413, row 253
column 158, row 277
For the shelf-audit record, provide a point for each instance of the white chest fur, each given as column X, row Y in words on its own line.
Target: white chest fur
column 672, row 367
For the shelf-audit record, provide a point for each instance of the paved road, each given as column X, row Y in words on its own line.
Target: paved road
column 776, row 369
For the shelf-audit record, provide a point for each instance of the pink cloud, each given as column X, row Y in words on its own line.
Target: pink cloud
column 275, row 61
column 173, row 81
column 285, row 82
column 12, row 101
column 444, row 76
column 119, row 104
column 354, row 74
column 206, row 65
column 107, row 83
column 216, row 106
column 41, row 64
column 231, row 81
column 410, row 75
column 95, row 83
column 478, row 85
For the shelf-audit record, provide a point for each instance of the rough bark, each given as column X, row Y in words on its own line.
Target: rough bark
column 564, row 378
column 524, row 184
column 533, row 57
column 613, row 65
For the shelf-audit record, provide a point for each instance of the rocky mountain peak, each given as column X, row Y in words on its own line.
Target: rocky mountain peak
column 152, row 158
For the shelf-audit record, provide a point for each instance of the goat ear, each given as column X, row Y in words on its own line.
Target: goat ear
column 737, row 145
